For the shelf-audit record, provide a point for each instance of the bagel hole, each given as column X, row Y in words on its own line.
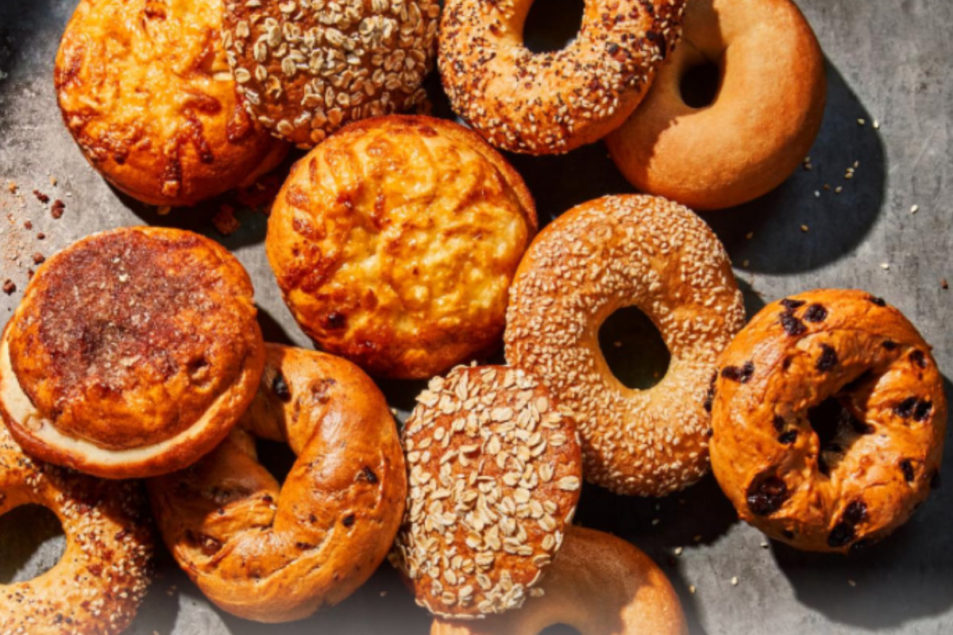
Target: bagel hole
column 275, row 457
column 633, row 348
column 559, row 629
column 552, row 25
column 836, row 428
column 700, row 84
column 31, row 543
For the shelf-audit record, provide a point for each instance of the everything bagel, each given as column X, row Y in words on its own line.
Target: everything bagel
column 104, row 572
column 550, row 103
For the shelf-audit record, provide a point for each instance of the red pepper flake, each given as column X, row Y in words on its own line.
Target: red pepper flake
column 57, row 209
column 28, row 225
column 944, row 284
column 40, row 196
column 38, row 258
column 40, row 236
column 8, row 286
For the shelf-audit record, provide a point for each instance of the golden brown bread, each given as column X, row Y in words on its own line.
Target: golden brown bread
column 132, row 353
column 598, row 585
column 277, row 552
column 104, row 572
column 394, row 243
column 305, row 69
column 495, row 475
column 829, row 418
column 552, row 102
column 759, row 127
column 603, row 255
column 145, row 90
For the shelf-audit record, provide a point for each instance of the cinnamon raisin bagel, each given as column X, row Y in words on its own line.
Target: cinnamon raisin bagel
column 598, row 585
column 103, row 574
column 829, row 418
column 277, row 552
column 607, row 254
column 495, row 475
column 553, row 102
column 394, row 243
column 758, row 128
column 132, row 353
column 307, row 68
column 146, row 92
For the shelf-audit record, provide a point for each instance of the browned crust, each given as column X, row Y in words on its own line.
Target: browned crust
column 128, row 339
column 99, row 582
column 277, row 552
column 350, row 257
column 550, row 103
column 495, row 475
column 145, row 92
column 603, row 255
column 598, row 584
column 760, row 126
column 305, row 72
column 863, row 477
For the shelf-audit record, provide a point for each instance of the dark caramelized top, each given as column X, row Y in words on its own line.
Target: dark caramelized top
column 125, row 338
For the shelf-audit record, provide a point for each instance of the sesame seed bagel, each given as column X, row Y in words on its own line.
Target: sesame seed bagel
column 307, row 67
column 763, row 119
column 603, row 255
column 278, row 552
column 102, row 576
column 145, row 90
column 495, row 474
column 394, row 243
column 829, row 418
column 553, row 102
column 132, row 353
column 598, row 585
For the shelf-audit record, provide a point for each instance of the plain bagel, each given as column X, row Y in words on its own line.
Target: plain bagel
column 762, row 121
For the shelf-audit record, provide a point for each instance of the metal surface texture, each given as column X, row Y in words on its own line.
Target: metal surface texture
column 887, row 61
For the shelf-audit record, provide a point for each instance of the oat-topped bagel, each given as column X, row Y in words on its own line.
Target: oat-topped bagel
column 307, row 67
column 603, row 255
column 548, row 103
column 132, row 353
column 495, row 474
column 829, row 418
column 277, row 552
column 394, row 243
column 146, row 92
column 598, row 585
column 102, row 576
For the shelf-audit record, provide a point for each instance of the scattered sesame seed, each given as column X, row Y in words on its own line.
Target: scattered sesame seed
column 749, row 235
column 838, row 189
column 851, row 582
column 876, row 125
column 734, row 581
column 817, row 194
column 804, row 228
column 885, row 265
column 678, row 551
column 914, row 208
column 691, row 589
column 861, row 121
